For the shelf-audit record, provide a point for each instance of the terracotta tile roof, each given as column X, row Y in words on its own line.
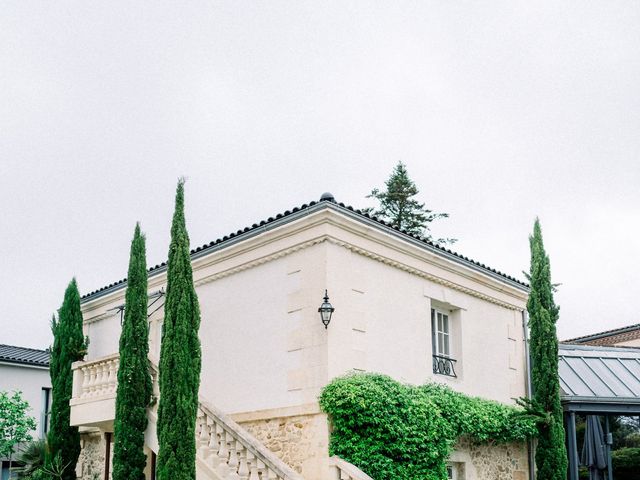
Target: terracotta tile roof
column 608, row 337
column 326, row 201
column 24, row 356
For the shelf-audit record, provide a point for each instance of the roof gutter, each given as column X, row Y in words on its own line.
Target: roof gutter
column 18, row 363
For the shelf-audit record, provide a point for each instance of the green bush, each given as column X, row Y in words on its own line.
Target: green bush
column 626, row 461
column 391, row 430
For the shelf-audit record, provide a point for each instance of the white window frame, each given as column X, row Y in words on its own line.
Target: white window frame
column 441, row 333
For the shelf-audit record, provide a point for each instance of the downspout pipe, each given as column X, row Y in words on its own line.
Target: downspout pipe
column 527, row 375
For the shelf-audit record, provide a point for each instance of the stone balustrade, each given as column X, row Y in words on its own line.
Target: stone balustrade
column 225, row 450
column 230, row 452
column 347, row 471
column 96, row 379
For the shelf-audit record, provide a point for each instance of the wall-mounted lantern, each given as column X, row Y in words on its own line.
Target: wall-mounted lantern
column 326, row 310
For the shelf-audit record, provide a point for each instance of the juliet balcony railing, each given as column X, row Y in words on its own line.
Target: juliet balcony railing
column 444, row 366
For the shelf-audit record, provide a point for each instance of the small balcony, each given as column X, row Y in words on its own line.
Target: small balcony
column 93, row 401
column 444, row 366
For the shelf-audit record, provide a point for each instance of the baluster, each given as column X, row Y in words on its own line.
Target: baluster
column 86, row 381
column 203, row 438
column 214, row 444
column 243, row 468
column 233, row 459
column 254, row 466
column 95, row 380
column 102, row 379
column 106, row 377
column 112, row 384
column 223, row 453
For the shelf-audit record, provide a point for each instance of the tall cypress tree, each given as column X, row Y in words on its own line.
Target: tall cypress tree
column 179, row 358
column 68, row 347
column 551, row 455
column 134, row 381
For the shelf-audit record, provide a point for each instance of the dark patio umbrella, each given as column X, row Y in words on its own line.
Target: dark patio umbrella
column 594, row 450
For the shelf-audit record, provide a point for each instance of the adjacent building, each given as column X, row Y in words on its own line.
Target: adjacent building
column 27, row 370
column 403, row 307
column 618, row 337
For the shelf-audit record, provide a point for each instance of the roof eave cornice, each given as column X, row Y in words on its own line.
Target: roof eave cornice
column 295, row 216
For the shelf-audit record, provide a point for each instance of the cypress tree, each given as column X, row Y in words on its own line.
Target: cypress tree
column 179, row 358
column 68, row 347
column 551, row 455
column 134, row 382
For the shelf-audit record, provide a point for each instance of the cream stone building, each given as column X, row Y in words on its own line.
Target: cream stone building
column 403, row 307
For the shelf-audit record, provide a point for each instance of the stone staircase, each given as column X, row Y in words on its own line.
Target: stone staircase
column 225, row 450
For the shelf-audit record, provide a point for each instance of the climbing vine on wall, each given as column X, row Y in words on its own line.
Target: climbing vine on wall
column 404, row 432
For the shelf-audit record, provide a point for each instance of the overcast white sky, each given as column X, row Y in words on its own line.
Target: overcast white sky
column 501, row 110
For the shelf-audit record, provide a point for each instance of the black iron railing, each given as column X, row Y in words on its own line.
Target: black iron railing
column 444, row 366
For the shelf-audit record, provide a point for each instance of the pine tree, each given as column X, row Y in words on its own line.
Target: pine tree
column 68, row 346
column 551, row 455
column 179, row 358
column 134, row 382
column 398, row 207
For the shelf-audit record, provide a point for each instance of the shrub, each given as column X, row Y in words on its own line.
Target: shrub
column 391, row 430
column 626, row 462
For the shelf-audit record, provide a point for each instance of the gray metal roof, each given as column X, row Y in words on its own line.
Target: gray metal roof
column 599, row 374
column 24, row 356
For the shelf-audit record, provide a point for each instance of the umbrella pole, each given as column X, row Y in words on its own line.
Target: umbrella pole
column 573, row 446
column 608, row 442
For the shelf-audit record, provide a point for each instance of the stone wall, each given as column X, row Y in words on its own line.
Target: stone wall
column 491, row 462
column 90, row 464
column 301, row 441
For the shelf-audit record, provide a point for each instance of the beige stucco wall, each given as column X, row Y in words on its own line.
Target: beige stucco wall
column 30, row 381
column 383, row 324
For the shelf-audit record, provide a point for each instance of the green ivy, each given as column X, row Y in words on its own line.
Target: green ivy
column 392, row 430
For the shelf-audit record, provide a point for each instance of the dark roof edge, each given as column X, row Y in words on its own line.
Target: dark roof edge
column 219, row 244
column 594, row 399
column 303, row 211
column 438, row 250
column 9, row 361
column 24, row 361
column 605, row 334
column 596, row 348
